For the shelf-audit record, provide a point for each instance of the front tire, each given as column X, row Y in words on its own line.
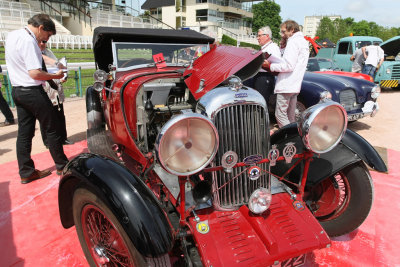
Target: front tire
column 103, row 240
column 342, row 202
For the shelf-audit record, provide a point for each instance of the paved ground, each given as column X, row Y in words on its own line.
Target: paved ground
column 383, row 130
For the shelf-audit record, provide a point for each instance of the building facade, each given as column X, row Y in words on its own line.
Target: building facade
column 231, row 15
column 311, row 24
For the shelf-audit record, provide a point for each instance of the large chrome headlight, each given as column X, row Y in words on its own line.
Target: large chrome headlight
column 322, row 126
column 186, row 144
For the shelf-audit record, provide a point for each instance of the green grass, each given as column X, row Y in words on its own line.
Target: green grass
column 72, row 55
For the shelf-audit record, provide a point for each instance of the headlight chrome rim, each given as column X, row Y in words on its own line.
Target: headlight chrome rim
column 171, row 137
column 313, row 135
column 100, row 76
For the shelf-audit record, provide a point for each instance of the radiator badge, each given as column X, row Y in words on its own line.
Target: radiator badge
column 273, row 155
column 229, row 159
column 289, row 151
column 241, row 95
column 253, row 159
column 254, row 173
column 203, row 227
column 298, row 205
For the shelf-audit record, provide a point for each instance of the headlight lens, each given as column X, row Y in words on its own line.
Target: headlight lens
column 187, row 144
column 260, row 200
column 375, row 91
column 322, row 126
column 100, row 76
column 388, row 71
column 98, row 86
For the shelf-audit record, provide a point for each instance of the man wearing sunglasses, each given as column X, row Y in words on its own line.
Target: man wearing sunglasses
column 25, row 68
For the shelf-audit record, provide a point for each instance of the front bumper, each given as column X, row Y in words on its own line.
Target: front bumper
column 370, row 109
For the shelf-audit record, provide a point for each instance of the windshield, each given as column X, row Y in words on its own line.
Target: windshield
column 132, row 55
column 321, row 64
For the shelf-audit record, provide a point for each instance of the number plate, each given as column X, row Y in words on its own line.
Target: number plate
column 354, row 117
column 293, row 262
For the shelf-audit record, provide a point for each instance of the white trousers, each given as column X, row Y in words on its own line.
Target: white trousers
column 285, row 110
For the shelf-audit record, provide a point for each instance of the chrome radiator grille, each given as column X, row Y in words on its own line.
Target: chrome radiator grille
column 347, row 99
column 242, row 129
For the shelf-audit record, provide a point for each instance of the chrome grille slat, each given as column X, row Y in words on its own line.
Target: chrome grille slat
column 396, row 72
column 243, row 129
column 347, row 98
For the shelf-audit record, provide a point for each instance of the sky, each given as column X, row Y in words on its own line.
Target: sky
column 385, row 13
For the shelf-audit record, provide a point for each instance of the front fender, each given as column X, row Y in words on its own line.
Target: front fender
column 125, row 194
column 351, row 149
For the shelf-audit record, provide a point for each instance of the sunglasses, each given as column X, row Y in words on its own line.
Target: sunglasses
column 44, row 42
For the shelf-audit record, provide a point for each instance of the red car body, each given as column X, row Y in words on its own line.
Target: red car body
column 135, row 205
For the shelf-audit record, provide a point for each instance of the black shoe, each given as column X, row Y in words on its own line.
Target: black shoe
column 68, row 142
column 36, row 175
column 6, row 123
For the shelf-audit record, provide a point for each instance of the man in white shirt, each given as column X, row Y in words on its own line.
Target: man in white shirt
column 291, row 72
column 264, row 80
column 374, row 55
column 27, row 74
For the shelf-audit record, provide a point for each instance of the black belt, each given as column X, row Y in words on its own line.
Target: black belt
column 29, row 87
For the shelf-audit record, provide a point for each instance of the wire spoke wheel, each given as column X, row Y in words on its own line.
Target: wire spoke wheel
column 342, row 201
column 106, row 244
column 102, row 237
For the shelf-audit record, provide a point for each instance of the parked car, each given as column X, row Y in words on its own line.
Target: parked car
column 357, row 96
column 327, row 66
column 182, row 170
column 388, row 75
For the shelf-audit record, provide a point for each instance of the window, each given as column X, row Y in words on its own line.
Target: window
column 344, row 48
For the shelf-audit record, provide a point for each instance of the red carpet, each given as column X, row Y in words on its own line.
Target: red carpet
column 31, row 233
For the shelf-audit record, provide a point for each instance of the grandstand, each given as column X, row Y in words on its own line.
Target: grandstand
column 75, row 20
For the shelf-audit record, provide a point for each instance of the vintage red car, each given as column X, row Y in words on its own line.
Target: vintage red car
column 182, row 170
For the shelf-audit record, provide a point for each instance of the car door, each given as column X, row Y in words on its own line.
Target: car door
column 344, row 51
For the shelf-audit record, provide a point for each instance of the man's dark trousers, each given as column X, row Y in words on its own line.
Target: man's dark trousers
column 33, row 103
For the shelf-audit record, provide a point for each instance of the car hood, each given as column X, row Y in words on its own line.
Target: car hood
column 336, row 82
column 391, row 46
column 219, row 64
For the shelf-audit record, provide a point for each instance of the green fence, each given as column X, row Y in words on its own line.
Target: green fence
column 75, row 86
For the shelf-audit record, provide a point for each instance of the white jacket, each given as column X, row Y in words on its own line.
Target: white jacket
column 293, row 65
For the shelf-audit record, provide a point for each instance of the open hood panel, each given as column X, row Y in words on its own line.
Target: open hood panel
column 219, row 64
column 391, row 46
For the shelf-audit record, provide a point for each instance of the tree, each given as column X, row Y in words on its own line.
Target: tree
column 361, row 28
column 266, row 13
column 326, row 29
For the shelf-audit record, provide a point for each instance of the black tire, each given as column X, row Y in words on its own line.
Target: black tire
column 343, row 201
column 109, row 247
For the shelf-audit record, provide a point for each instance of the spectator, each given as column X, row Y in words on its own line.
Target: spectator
column 358, row 60
column 374, row 56
column 291, row 71
column 5, row 109
column 56, row 96
column 264, row 81
column 24, row 63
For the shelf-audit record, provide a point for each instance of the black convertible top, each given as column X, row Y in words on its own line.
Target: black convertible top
column 103, row 36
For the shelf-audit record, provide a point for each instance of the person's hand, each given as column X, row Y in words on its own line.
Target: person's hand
column 266, row 64
column 58, row 75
